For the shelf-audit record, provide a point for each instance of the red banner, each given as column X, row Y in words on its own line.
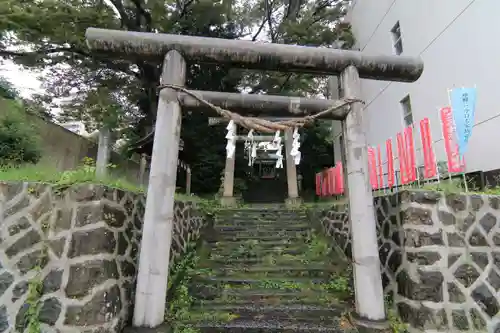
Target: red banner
column 324, row 183
column 450, row 145
column 331, row 181
column 411, row 167
column 380, row 169
column 340, row 178
column 402, row 158
column 372, row 166
column 390, row 163
column 318, row 184
column 430, row 169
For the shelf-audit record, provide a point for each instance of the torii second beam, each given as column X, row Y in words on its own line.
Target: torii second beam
column 264, row 105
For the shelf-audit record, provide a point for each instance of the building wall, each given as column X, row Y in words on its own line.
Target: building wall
column 65, row 150
column 456, row 40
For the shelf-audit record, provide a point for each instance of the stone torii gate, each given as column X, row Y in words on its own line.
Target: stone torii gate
column 174, row 49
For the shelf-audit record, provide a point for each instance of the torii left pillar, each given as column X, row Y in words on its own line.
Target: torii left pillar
column 228, row 199
column 152, row 279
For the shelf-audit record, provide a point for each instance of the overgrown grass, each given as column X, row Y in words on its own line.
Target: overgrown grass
column 84, row 174
column 454, row 186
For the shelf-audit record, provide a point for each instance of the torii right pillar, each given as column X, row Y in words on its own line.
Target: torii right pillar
column 293, row 198
column 369, row 293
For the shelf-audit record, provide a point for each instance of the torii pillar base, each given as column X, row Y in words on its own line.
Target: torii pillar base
column 228, row 202
column 370, row 326
column 293, row 202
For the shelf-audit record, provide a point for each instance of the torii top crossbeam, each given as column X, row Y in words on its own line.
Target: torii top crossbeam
column 252, row 55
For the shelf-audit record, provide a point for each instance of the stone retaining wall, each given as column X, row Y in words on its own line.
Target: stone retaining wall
column 82, row 244
column 440, row 257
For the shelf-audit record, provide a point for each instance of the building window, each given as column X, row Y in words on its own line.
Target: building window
column 407, row 113
column 396, row 39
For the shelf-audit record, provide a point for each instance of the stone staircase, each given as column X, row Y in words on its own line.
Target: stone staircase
column 265, row 271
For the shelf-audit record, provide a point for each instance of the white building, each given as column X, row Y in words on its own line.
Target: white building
column 457, row 40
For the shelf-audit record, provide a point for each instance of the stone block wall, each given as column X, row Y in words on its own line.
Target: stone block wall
column 440, row 257
column 82, row 244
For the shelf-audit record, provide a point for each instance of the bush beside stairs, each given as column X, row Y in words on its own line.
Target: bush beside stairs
column 265, row 270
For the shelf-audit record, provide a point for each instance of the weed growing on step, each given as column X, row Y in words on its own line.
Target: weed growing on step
column 180, row 301
column 339, row 283
column 281, row 285
column 245, row 250
column 180, row 314
column 317, row 249
column 207, row 207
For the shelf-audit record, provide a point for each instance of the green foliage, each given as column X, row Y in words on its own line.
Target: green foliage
column 395, row 322
column 180, row 300
column 32, row 314
column 99, row 90
column 19, row 139
column 179, row 313
column 317, row 153
column 84, row 174
column 7, row 89
column 35, row 288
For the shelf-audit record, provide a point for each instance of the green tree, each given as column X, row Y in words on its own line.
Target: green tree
column 7, row 89
column 49, row 34
column 19, row 139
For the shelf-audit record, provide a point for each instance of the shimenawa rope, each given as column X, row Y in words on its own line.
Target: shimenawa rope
column 257, row 124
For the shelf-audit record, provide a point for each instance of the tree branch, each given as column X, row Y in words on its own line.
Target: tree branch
column 122, row 67
column 184, row 8
column 141, row 11
column 125, row 20
column 254, row 38
column 288, row 77
column 293, row 9
column 269, row 21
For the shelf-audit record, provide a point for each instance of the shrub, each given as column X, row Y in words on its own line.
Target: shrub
column 19, row 139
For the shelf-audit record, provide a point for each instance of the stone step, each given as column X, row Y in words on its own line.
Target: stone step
column 267, row 259
column 253, row 222
column 271, row 326
column 275, row 271
column 272, row 300
column 264, row 237
column 262, row 233
column 267, row 217
column 273, row 228
column 262, row 217
column 223, row 251
column 264, row 313
column 270, row 293
column 236, row 282
column 259, row 242
column 260, row 210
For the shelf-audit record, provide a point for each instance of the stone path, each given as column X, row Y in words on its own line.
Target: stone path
column 265, row 271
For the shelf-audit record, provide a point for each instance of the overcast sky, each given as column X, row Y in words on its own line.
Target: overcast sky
column 25, row 81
